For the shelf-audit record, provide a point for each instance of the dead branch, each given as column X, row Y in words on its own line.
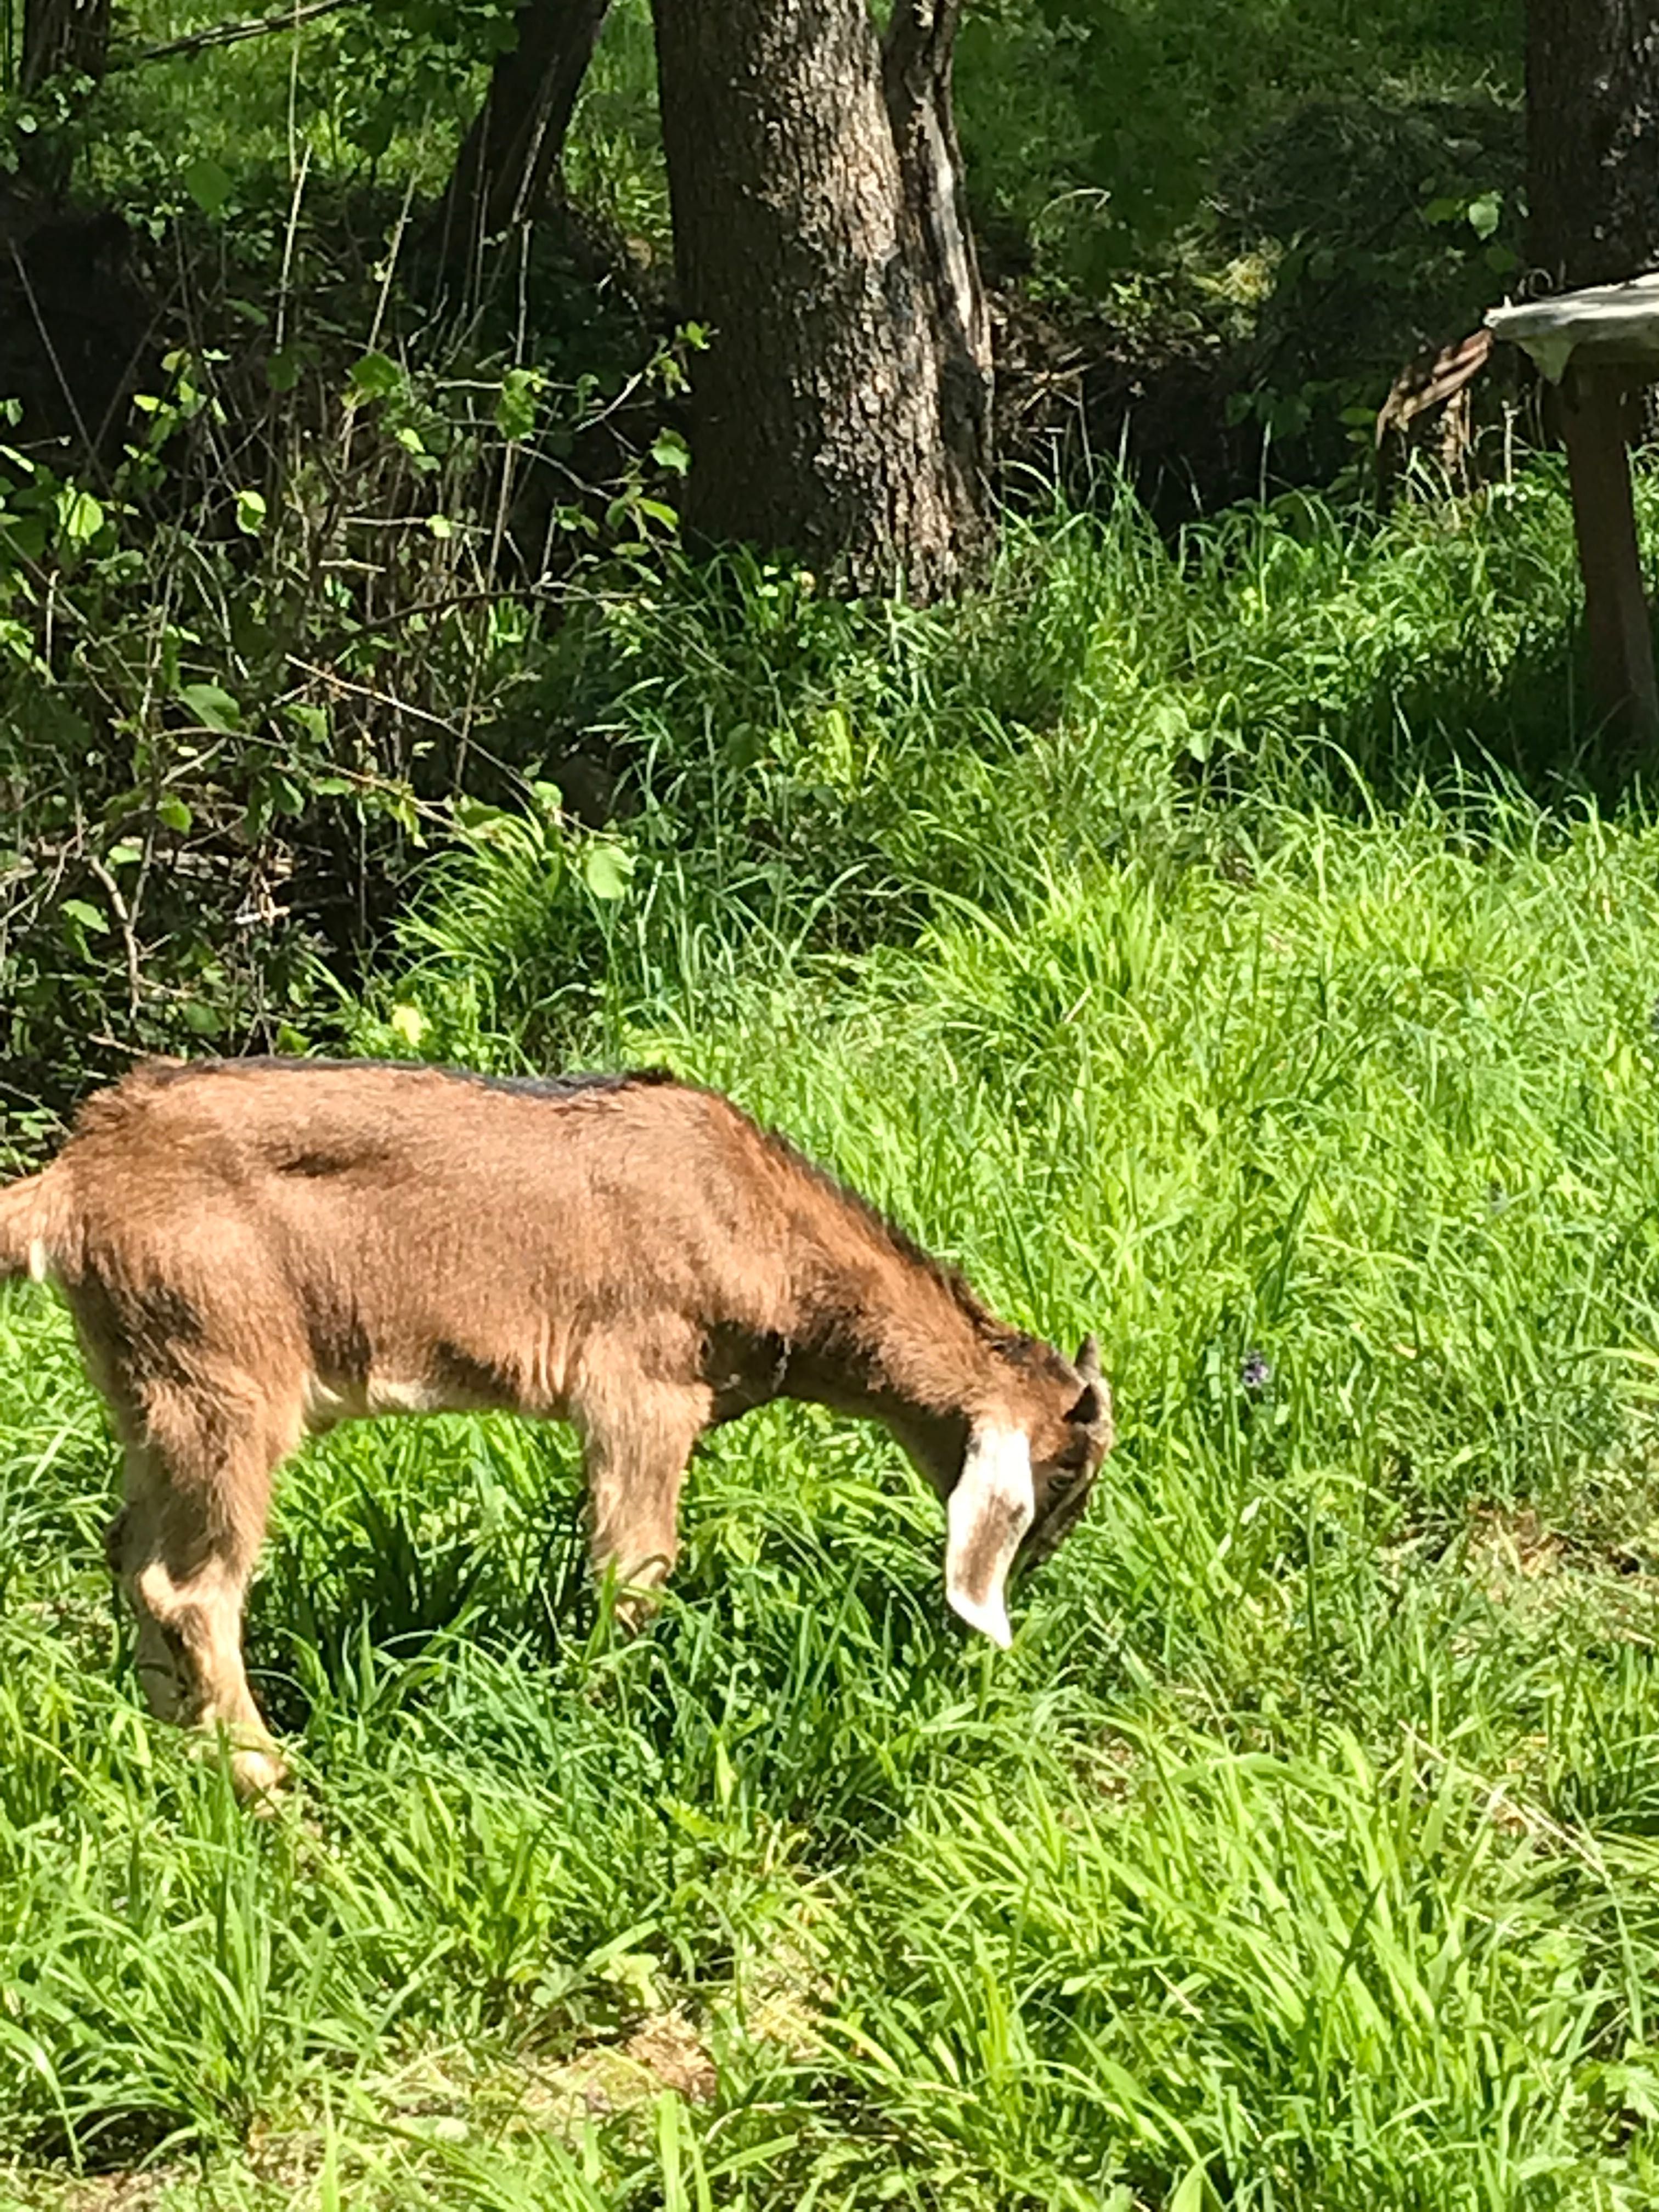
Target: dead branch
column 230, row 34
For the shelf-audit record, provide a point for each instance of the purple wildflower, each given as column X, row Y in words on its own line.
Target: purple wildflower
column 1256, row 1374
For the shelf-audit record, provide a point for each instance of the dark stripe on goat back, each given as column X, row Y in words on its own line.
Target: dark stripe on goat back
column 164, row 1073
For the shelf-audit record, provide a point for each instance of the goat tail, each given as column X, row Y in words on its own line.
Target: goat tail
column 27, row 1223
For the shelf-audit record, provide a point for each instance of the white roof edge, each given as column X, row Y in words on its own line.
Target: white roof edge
column 1609, row 319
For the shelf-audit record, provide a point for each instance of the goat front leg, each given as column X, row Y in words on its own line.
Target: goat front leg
column 637, row 1436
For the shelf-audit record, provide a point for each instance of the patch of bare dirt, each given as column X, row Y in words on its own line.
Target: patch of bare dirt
column 664, row 2052
column 103, row 2192
column 1507, row 1547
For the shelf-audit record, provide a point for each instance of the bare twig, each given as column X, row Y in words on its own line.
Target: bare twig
column 122, row 1044
column 301, row 172
column 44, row 337
column 230, row 34
column 124, row 921
column 367, row 691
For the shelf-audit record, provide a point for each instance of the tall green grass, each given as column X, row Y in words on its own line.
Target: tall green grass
column 1302, row 1852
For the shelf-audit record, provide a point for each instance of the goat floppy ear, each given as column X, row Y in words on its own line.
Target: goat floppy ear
column 989, row 1510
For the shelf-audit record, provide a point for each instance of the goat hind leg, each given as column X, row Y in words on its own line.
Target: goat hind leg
column 184, row 1547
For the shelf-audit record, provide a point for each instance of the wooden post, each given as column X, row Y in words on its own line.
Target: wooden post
column 1616, row 620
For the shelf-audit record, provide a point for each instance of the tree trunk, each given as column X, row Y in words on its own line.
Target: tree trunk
column 1593, row 139
column 842, row 412
column 62, row 34
column 510, row 154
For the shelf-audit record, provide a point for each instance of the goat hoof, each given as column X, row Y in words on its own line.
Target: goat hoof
column 258, row 1778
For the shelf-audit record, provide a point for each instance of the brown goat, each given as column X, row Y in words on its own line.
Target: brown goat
column 252, row 1249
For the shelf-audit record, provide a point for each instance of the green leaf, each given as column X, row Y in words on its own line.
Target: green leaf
column 1485, row 214
column 89, row 917
column 250, row 513
column 126, row 854
column 286, row 794
column 312, row 721
column 1442, row 211
column 606, row 870
column 80, row 517
column 213, row 708
column 174, row 813
column 207, row 185
column 474, row 816
column 1170, row 722
column 282, row 369
column 440, row 526
column 670, row 451
column 515, row 410
column 24, row 535
column 1193, row 2192
column 376, row 376
column 203, row 1020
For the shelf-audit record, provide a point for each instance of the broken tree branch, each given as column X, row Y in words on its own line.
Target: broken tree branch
column 230, row 34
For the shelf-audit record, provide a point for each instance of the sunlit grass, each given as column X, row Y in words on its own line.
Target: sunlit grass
column 1301, row 1853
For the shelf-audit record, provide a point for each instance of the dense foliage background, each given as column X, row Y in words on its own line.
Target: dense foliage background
column 1223, row 928
column 340, row 547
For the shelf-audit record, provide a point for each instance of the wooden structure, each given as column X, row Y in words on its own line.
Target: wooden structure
column 1599, row 347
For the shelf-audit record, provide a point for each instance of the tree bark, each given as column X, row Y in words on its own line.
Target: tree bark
column 509, row 155
column 62, row 34
column 842, row 412
column 1593, row 139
